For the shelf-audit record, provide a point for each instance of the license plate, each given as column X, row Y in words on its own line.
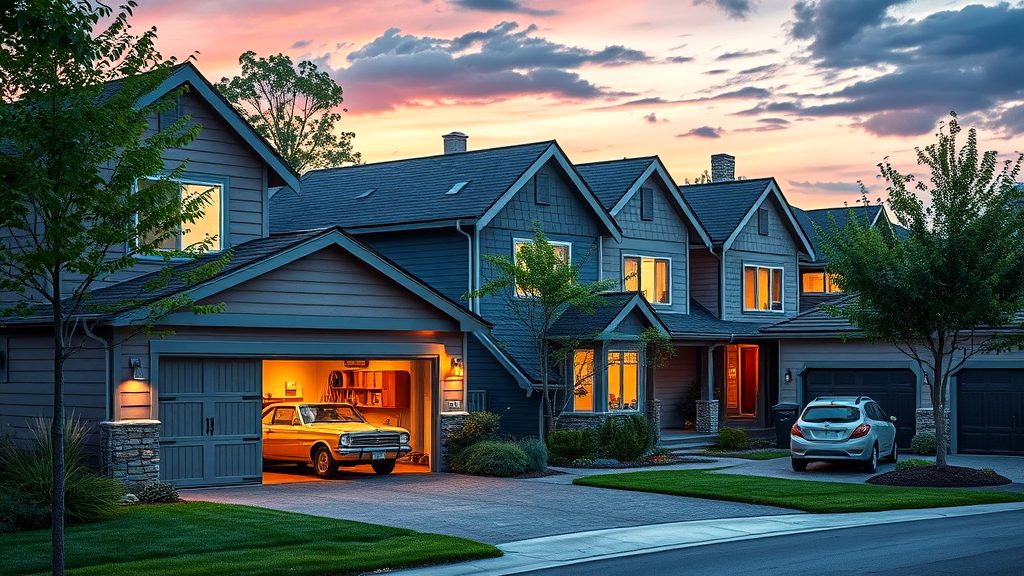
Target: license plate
column 378, row 455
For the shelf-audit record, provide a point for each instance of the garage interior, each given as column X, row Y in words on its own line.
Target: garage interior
column 387, row 392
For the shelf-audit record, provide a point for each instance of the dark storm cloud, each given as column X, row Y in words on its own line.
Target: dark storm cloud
column 487, row 65
column 702, row 132
column 966, row 60
column 502, row 6
column 736, row 9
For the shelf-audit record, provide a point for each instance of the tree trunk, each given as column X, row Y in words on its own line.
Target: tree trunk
column 939, row 411
column 549, row 404
column 57, row 432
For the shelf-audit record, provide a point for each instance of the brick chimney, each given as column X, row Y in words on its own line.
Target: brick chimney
column 454, row 142
column 723, row 167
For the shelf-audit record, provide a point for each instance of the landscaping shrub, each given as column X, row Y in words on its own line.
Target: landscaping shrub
column 569, row 445
column 625, row 439
column 923, row 444
column 913, row 463
column 158, row 493
column 536, row 453
column 492, row 458
column 19, row 513
column 477, row 426
column 28, row 473
column 732, row 439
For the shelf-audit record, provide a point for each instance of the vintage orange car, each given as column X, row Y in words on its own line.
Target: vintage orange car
column 330, row 435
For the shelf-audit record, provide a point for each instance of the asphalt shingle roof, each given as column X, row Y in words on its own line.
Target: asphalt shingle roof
column 721, row 206
column 576, row 323
column 404, row 191
column 700, row 322
column 809, row 219
column 611, row 179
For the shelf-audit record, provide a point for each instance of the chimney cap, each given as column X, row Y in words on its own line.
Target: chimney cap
column 455, row 134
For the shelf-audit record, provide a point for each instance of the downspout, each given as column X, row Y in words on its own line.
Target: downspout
column 721, row 288
column 476, row 264
column 600, row 257
column 108, row 368
column 469, row 261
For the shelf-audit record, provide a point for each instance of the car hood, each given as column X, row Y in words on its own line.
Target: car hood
column 354, row 427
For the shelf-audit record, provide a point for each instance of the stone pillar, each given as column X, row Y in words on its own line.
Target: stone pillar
column 450, row 423
column 654, row 416
column 926, row 425
column 707, row 417
column 130, row 451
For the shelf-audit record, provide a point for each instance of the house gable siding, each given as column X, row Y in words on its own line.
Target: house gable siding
column 438, row 257
column 705, row 269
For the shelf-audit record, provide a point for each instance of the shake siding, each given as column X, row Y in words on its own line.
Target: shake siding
column 519, row 413
column 704, row 272
column 777, row 249
column 438, row 257
column 664, row 237
column 674, row 380
column 329, row 283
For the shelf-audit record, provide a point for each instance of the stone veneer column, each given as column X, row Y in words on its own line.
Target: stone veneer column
column 130, row 451
column 926, row 425
column 707, row 416
column 450, row 423
column 654, row 416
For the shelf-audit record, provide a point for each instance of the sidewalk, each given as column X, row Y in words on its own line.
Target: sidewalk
column 568, row 549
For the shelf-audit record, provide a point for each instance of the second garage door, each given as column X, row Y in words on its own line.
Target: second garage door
column 990, row 412
column 894, row 390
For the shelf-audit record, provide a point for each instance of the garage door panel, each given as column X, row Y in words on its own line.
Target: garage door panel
column 990, row 412
column 895, row 391
column 181, row 418
column 183, row 464
column 237, row 462
column 232, row 377
column 236, row 418
column 181, row 376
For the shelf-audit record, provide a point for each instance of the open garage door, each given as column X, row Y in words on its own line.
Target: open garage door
column 990, row 412
column 210, row 421
column 894, row 390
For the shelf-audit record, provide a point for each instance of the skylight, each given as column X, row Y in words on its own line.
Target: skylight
column 455, row 189
column 367, row 193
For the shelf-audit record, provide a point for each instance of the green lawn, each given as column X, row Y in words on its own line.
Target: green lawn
column 201, row 538
column 752, row 455
column 809, row 496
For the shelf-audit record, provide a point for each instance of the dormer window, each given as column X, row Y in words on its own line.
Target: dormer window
column 208, row 226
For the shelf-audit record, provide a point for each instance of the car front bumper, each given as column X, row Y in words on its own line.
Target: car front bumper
column 855, row 449
column 348, row 454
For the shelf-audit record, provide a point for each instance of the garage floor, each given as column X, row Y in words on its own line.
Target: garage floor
column 288, row 474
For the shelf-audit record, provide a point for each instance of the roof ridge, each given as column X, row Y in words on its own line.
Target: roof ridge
column 431, row 157
column 651, row 158
column 738, row 181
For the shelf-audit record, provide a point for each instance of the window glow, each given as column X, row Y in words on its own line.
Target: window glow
column 583, row 381
column 562, row 251
column 623, row 380
column 650, row 276
column 762, row 288
column 819, row 283
column 205, row 227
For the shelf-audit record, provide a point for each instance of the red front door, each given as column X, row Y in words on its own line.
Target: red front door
column 748, row 380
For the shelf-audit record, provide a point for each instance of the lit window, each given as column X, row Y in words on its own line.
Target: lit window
column 623, row 381
column 762, row 288
column 583, row 381
column 650, row 276
column 563, row 250
column 819, row 283
column 207, row 226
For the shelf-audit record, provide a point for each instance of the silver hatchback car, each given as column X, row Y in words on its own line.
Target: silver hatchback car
column 843, row 428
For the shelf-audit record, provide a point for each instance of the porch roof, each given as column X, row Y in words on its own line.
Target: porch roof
column 602, row 323
column 701, row 324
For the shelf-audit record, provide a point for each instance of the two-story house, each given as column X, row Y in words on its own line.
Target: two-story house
column 310, row 315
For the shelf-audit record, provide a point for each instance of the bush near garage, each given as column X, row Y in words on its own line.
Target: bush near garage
column 625, row 438
column 923, row 444
column 492, row 458
column 565, row 446
column 536, row 452
column 476, row 427
column 158, row 493
column 732, row 439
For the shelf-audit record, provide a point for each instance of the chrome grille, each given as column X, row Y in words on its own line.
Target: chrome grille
column 370, row 440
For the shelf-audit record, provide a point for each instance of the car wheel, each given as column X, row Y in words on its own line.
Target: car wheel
column 323, row 464
column 895, row 453
column 383, row 468
column 799, row 464
column 872, row 463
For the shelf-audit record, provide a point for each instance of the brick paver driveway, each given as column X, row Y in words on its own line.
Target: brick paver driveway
column 492, row 510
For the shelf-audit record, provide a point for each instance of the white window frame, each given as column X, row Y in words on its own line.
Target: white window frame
column 515, row 257
column 782, row 291
column 199, row 181
column 594, row 389
column 640, row 379
column 639, row 287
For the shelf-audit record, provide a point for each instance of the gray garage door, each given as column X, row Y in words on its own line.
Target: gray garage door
column 894, row 390
column 990, row 411
column 210, row 415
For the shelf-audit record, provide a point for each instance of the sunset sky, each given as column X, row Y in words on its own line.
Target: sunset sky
column 815, row 92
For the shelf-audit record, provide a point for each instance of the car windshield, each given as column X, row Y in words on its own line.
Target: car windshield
column 318, row 413
column 831, row 414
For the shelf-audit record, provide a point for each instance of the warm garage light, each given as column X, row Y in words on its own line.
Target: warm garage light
column 457, row 368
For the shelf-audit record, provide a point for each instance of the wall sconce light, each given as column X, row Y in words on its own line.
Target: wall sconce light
column 136, row 365
column 789, row 376
column 457, row 368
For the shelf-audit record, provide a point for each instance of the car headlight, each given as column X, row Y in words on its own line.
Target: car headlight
column 345, row 440
column 403, row 438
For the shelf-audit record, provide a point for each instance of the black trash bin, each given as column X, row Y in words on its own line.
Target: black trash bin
column 783, row 417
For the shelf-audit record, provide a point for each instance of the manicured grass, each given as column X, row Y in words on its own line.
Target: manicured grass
column 752, row 455
column 201, row 538
column 809, row 496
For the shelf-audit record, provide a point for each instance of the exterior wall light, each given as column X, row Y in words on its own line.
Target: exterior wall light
column 789, row 376
column 136, row 366
column 457, row 367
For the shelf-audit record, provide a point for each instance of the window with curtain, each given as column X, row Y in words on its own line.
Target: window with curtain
column 649, row 276
column 583, row 381
column 623, row 380
column 762, row 288
column 207, row 226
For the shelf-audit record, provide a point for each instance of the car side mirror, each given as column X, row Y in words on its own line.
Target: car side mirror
column 295, row 421
column 893, row 418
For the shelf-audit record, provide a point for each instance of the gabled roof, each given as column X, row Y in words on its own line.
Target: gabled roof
column 280, row 173
column 811, row 220
column 418, row 192
column 616, row 182
column 600, row 325
column 701, row 324
column 726, row 207
column 249, row 260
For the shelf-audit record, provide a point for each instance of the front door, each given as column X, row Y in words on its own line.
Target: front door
column 748, row 380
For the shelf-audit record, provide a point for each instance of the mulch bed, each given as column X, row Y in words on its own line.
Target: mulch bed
column 643, row 464
column 932, row 477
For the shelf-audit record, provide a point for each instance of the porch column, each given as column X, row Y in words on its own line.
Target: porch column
column 707, row 407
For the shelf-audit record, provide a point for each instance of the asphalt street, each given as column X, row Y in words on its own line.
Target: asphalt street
column 989, row 544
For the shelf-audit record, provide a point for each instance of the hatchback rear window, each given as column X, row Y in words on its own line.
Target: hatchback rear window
column 831, row 414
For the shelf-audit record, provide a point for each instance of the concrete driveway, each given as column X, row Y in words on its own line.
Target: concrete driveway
column 493, row 510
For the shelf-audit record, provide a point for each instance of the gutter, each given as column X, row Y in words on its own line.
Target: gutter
column 469, row 261
column 108, row 368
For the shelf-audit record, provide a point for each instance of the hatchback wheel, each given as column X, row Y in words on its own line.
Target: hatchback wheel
column 895, row 453
column 323, row 464
column 383, row 468
column 872, row 463
column 799, row 464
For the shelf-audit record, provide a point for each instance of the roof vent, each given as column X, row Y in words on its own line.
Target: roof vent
column 455, row 189
column 454, row 142
column 723, row 167
column 367, row 193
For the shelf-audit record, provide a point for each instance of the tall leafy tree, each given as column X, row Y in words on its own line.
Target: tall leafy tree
column 75, row 139
column 296, row 108
column 953, row 287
